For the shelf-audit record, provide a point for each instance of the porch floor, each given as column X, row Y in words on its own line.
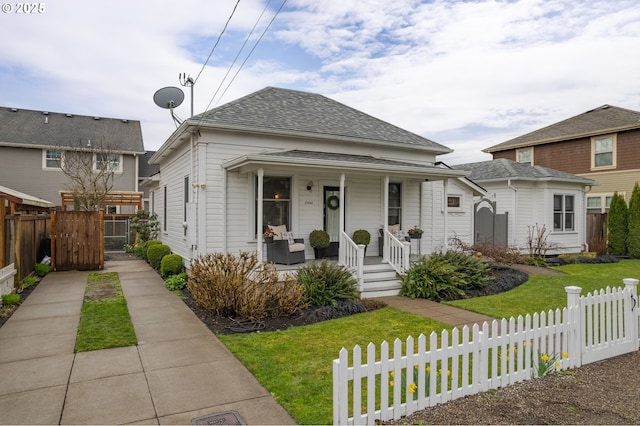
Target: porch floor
column 368, row 260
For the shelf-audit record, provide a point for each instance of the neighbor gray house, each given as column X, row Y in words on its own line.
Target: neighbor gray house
column 33, row 146
column 531, row 196
column 300, row 162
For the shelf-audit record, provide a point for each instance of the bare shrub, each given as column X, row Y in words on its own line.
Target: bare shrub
column 239, row 287
column 497, row 253
column 538, row 241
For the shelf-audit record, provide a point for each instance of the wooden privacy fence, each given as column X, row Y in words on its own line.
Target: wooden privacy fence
column 23, row 241
column 597, row 232
column 387, row 386
column 77, row 240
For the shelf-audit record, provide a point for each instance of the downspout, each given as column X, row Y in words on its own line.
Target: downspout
column 445, row 209
column 584, row 225
column 260, row 213
column 515, row 216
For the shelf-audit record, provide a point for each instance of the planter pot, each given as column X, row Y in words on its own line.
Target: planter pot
column 319, row 252
column 268, row 239
column 416, row 236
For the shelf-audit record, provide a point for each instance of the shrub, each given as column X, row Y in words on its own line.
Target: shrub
column 145, row 247
column 362, row 236
column 319, row 239
column 617, row 226
column 444, row 276
column 10, row 299
column 327, row 283
column 42, row 269
column 341, row 309
column 176, row 282
column 27, row 282
column 236, row 286
column 171, row 264
column 633, row 235
column 499, row 254
column 155, row 253
column 145, row 225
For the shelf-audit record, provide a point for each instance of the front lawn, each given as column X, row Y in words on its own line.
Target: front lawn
column 544, row 292
column 295, row 365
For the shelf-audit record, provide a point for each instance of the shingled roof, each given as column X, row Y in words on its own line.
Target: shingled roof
column 598, row 121
column 308, row 115
column 38, row 129
column 503, row 169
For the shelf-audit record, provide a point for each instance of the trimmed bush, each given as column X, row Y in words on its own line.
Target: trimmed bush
column 319, row 239
column 327, row 283
column 633, row 236
column 10, row 299
column 145, row 247
column 171, row 264
column 176, row 282
column 362, row 236
column 155, row 253
column 617, row 226
column 233, row 286
column 42, row 269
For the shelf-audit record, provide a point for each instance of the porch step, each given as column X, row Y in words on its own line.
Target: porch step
column 380, row 280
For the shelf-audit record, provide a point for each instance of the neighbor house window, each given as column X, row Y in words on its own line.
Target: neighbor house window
column 276, row 201
column 603, row 149
column 525, row 155
column 53, row 159
column 598, row 203
column 454, row 202
column 112, row 162
column 563, row 212
column 395, row 203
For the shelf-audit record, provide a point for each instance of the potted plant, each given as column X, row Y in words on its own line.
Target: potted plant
column 319, row 240
column 268, row 235
column 415, row 233
column 362, row 236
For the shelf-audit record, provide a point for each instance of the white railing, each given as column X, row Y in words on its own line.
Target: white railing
column 352, row 256
column 396, row 253
column 488, row 357
column 6, row 279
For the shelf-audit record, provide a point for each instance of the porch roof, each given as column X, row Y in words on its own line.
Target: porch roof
column 328, row 160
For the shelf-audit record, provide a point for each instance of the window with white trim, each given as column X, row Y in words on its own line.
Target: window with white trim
column 111, row 162
column 454, row 202
column 603, row 151
column 563, row 212
column 395, row 204
column 52, row 159
column 525, row 155
column 598, row 203
column 276, row 201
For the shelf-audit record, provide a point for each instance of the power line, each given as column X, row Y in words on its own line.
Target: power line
column 217, row 41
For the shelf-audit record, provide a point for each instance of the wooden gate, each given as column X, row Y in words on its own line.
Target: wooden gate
column 597, row 232
column 77, row 240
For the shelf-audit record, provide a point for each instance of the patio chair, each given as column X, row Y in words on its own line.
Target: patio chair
column 285, row 249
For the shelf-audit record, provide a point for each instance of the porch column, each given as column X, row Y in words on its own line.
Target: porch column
column 260, row 214
column 445, row 209
column 341, row 248
column 385, row 219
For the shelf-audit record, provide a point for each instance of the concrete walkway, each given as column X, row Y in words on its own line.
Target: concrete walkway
column 437, row 311
column 178, row 372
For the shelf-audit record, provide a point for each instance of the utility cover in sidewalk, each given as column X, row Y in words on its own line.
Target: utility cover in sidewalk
column 223, row 418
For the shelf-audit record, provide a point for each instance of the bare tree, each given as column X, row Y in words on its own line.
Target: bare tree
column 90, row 169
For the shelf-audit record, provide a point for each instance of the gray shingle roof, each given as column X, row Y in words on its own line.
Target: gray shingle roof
column 22, row 127
column 296, row 113
column 601, row 120
column 503, row 169
column 146, row 169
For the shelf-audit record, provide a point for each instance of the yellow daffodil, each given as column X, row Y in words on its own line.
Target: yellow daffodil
column 545, row 357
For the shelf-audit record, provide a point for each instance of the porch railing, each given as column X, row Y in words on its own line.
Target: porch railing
column 352, row 256
column 396, row 252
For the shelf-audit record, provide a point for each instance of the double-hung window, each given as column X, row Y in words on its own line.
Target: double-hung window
column 108, row 162
column 276, row 201
column 603, row 151
column 563, row 212
column 53, row 159
column 395, row 203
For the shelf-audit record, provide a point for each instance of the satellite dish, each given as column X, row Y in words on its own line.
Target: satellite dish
column 168, row 97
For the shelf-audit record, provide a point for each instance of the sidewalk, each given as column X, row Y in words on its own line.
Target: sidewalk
column 178, row 372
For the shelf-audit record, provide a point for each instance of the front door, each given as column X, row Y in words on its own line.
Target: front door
column 332, row 212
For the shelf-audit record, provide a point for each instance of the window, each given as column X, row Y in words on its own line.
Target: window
column 276, row 201
column 164, row 210
column 454, row 202
column 112, row 162
column 603, row 150
column 598, row 203
column 395, row 203
column 525, row 155
column 186, row 200
column 563, row 212
column 53, row 159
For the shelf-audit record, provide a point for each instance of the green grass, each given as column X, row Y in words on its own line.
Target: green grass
column 544, row 292
column 104, row 319
column 295, row 365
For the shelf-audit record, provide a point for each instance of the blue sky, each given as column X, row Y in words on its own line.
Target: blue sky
column 467, row 74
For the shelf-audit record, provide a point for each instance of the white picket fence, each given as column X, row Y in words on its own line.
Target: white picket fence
column 388, row 386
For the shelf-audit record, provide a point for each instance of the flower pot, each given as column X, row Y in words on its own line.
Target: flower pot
column 415, row 236
column 268, row 239
column 318, row 252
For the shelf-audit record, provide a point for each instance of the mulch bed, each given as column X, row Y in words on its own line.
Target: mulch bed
column 7, row 310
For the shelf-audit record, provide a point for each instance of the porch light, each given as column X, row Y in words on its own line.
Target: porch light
column 310, row 185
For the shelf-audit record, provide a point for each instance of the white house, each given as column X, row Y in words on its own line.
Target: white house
column 536, row 195
column 285, row 157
